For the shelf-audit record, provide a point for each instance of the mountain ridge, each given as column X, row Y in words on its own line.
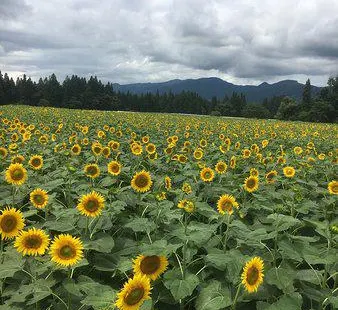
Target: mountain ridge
column 216, row 87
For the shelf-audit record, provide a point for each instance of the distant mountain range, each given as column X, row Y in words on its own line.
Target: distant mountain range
column 209, row 87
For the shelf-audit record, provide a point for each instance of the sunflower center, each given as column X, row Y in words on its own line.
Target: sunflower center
column 335, row 188
column 133, row 297
column 92, row 205
column 141, row 181
column 251, row 183
column 92, row 170
column 67, row 252
column 17, row 174
column 270, row 176
column 227, row 205
column 36, row 162
column 150, row 264
column 252, row 275
column 221, row 167
column 114, row 168
column 33, row 242
column 97, row 150
column 8, row 223
column 207, row 175
column 38, row 199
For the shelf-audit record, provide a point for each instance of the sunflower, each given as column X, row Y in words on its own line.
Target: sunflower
column 223, row 148
column 3, row 152
column 182, row 158
column 92, row 170
column 66, row 250
column 136, row 149
column 161, row 196
column 207, row 174
column 289, row 172
column 297, row 150
column 145, row 139
column 17, row 159
column 221, row 167
column 152, row 156
column 133, row 293
column 232, row 162
column 333, row 187
column 106, row 151
column 11, row 222
column 16, row 174
column 254, row 172
column 97, row 149
column 150, row 148
column 114, row 167
column 203, row 143
column 32, row 242
column 321, row 156
column 252, row 276
column 198, row 154
column 39, row 198
column 141, row 181
column 187, row 205
column 36, row 162
column 281, row 160
column 150, row 266
column 251, row 184
column 167, row 183
column 76, row 149
column 186, row 187
column 226, row 203
column 246, row 153
column 270, row 176
column 91, row 204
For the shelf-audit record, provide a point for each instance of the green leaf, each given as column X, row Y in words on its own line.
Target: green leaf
column 292, row 301
column 180, row 288
column 281, row 277
column 310, row 275
column 12, row 262
column 282, row 222
column 101, row 300
column 141, row 224
column 213, row 297
column 103, row 243
column 159, row 247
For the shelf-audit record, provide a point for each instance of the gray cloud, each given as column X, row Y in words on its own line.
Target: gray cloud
column 12, row 8
column 241, row 41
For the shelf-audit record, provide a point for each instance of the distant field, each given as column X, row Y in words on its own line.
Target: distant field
column 198, row 212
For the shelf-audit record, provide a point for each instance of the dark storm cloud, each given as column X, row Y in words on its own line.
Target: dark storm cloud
column 139, row 40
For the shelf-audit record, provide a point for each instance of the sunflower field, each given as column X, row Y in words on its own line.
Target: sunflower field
column 118, row 210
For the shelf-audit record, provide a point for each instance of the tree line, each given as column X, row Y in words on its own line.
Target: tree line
column 80, row 93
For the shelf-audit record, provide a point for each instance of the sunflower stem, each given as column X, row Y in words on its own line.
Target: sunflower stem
column 233, row 307
column 226, row 233
column 1, row 250
column 87, row 226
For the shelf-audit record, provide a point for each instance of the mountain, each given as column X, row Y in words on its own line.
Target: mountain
column 209, row 87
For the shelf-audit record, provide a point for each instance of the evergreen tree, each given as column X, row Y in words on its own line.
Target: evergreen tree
column 307, row 94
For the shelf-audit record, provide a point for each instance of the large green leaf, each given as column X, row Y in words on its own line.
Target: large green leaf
column 102, row 243
column 180, row 288
column 213, row 297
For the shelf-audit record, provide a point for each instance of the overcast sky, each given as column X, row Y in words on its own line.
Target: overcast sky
column 127, row 41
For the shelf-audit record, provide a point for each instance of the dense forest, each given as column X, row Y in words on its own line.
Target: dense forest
column 80, row 93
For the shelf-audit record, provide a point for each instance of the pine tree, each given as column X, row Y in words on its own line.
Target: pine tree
column 307, row 93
